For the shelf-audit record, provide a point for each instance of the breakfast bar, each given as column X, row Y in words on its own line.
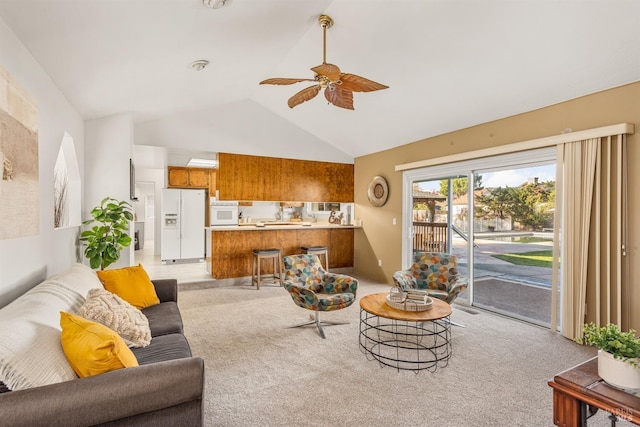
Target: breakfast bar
column 229, row 249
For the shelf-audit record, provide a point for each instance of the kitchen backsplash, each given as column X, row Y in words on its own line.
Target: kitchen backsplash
column 270, row 210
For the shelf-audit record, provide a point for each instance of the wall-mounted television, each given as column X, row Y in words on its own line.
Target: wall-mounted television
column 132, row 181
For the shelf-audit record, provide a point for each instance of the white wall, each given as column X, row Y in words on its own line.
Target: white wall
column 24, row 262
column 233, row 129
column 109, row 146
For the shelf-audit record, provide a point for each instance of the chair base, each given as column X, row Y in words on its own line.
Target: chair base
column 315, row 320
column 451, row 322
column 460, row 325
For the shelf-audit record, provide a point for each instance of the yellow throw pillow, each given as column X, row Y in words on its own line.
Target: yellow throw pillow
column 92, row 348
column 132, row 284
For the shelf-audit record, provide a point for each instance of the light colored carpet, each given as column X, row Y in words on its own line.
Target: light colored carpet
column 261, row 374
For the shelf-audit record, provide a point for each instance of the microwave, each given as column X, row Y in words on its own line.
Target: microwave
column 223, row 213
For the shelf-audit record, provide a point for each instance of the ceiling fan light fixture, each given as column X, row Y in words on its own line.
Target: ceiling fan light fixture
column 214, row 4
column 338, row 86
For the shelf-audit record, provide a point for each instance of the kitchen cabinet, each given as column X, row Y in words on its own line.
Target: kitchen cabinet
column 199, row 178
column 341, row 248
column 213, row 182
column 178, row 177
column 243, row 177
column 184, row 177
column 249, row 177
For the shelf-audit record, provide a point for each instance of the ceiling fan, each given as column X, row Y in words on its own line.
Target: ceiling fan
column 338, row 86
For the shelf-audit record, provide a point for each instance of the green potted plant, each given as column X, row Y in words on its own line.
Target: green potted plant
column 618, row 354
column 105, row 240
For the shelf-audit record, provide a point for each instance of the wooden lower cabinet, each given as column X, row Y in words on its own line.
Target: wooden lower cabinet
column 231, row 254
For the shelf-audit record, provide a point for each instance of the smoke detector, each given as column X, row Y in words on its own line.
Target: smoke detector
column 214, row 4
column 200, row 64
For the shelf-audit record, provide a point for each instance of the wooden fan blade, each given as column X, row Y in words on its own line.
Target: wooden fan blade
column 339, row 96
column 330, row 71
column 303, row 95
column 360, row 84
column 283, row 81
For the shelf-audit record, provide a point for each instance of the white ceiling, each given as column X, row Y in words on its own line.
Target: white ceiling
column 450, row 64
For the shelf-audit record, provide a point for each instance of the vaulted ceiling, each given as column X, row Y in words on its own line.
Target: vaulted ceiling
column 448, row 64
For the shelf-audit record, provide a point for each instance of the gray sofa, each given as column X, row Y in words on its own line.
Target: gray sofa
column 165, row 390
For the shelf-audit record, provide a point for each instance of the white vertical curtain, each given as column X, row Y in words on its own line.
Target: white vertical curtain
column 593, row 228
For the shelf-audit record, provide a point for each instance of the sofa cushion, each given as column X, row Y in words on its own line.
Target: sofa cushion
column 132, row 284
column 30, row 350
column 115, row 313
column 164, row 318
column 92, row 348
column 162, row 348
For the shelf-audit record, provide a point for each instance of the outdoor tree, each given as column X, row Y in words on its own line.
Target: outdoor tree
column 530, row 204
column 495, row 203
column 460, row 185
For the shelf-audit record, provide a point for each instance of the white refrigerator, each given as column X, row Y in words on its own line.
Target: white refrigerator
column 182, row 230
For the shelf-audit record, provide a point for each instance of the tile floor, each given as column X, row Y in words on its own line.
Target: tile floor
column 184, row 272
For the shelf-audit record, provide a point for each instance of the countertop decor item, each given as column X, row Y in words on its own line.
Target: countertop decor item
column 378, row 191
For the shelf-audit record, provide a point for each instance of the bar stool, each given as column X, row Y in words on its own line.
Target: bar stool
column 265, row 254
column 318, row 250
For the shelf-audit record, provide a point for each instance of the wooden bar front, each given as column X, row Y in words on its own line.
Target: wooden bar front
column 231, row 249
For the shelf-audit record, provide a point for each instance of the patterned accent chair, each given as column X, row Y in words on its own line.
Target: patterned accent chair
column 436, row 272
column 313, row 288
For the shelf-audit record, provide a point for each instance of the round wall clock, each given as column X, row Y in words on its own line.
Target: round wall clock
column 378, row 191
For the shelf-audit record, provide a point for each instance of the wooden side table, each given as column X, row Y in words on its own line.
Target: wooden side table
column 405, row 340
column 579, row 392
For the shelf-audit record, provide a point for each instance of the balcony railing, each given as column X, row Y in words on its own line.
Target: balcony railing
column 430, row 237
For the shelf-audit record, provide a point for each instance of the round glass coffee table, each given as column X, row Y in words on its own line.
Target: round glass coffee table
column 402, row 339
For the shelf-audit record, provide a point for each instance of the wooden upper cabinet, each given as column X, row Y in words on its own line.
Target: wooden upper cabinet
column 242, row 177
column 199, row 178
column 303, row 180
column 178, row 177
column 182, row 177
column 341, row 175
column 213, row 182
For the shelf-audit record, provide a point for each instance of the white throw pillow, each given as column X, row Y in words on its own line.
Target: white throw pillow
column 115, row 313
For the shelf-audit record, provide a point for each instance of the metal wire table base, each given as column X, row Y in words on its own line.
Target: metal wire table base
column 406, row 345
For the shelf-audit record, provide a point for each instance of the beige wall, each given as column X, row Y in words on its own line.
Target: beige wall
column 379, row 239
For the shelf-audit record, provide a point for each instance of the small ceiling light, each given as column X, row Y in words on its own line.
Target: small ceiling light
column 200, row 64
column 202, row 163
column 214, row 4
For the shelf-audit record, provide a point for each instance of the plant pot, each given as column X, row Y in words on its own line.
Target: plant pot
column 617, row 373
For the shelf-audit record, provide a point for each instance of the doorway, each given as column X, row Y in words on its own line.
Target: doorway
column 500, row 227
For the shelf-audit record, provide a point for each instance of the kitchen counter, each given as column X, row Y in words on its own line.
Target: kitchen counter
column 229, row 248
column 279, row 226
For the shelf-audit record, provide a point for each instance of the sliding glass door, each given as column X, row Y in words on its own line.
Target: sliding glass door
column 440, row 220
column 513, row 241
column 496, row 215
